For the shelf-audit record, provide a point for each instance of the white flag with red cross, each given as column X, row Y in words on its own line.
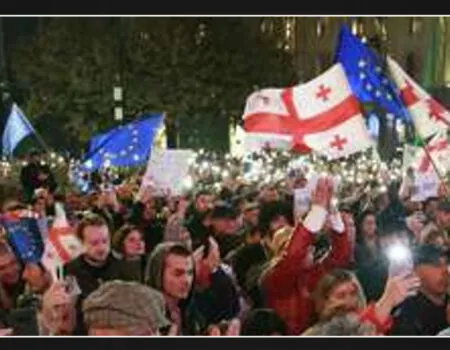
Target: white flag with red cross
column 438, row 149
column 427, row 114
column 267, row 121
column 62, row 245
column 322, row 115
column 329, row 115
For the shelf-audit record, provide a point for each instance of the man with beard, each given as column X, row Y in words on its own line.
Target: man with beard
column 96, row 265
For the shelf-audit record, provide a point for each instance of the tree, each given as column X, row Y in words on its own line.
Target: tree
column 197, row 70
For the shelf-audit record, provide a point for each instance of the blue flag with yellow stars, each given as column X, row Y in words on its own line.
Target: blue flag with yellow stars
column 366, row 75
column 124, row 146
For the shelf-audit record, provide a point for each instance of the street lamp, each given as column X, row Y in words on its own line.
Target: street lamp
column 118, row 99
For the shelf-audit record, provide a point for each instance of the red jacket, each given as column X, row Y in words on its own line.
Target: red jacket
column 288, row 287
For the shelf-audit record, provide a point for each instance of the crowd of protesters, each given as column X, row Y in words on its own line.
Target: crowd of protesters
column 240, row 262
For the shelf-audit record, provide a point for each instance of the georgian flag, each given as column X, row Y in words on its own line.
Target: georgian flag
column 322, row 115
column 267, row 121
column 62, row 245
column 427, row 114
column 438, row 149
column 331, row 122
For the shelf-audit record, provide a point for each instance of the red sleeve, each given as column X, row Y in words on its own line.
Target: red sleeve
column 369, row 315
column 283, row 276
column 340, row 251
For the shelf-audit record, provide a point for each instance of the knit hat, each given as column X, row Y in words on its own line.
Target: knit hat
column 119, row 304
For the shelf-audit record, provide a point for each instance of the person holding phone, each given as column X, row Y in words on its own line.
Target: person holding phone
column 339, row 293
column 426, row 312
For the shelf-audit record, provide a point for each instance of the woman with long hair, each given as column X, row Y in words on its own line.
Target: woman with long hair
column 339, row 293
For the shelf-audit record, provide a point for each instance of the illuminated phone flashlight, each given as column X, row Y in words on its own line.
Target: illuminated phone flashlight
column 188, row 183
column 334, row 202
column 398, row 253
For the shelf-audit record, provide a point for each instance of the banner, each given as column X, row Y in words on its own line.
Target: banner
column 167, row 169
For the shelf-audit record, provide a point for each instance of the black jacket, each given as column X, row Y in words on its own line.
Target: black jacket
column 419, row 316
column 29, row 178
column 220, row 301
column 89, row 278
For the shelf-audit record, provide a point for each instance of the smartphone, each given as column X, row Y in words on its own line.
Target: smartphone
column 400, row 260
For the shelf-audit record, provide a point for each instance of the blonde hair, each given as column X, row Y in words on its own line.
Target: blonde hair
column 330, row 281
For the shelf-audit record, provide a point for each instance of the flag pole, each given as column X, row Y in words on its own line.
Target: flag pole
column 41, row 141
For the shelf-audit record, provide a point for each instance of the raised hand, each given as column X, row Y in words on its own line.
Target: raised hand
column 322, row 193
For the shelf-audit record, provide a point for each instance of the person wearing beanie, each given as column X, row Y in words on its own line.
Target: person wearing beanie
column 119, row 308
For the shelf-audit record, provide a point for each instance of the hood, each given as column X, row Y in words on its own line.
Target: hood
column 155, row 266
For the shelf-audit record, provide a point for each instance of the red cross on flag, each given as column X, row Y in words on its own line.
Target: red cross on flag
column 438, row 149
column 329, row 116
column 62, row 245
column 267, row 121
column 427, row 114
column 322, row 115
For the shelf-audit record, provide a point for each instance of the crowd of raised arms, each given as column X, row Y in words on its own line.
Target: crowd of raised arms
column 240, row 262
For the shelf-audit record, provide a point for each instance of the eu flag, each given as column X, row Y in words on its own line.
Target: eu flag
column 365, row 73
column 124, row 146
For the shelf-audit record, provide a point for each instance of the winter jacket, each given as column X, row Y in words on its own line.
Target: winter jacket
column 418, row 315
column 220, row 299
column 287, row 286
column 192, row 321
column 89, row 278
column 213, row 296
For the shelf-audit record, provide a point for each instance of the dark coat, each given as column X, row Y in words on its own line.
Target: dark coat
column 89, row 278
column 419, row 316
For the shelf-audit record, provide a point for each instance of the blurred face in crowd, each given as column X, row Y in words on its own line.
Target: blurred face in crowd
column 203, row 202
column 150, row 210
column 9, row 269
column 443, row 219
column 134, row 245
column 437, row 239
column 251, row 217
column 39, row 206
column 369, row 227
column 227, row 225
column 345, row 295
column 277, row 223
column 35, row 158
column 434, row 278
column 270, row 194
column 411, row 207
column 178, row 276
column 349, row 223
column 73, row 202
column 431, row 209
column 36, row 277
column 382, row 201
column 96, row 243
